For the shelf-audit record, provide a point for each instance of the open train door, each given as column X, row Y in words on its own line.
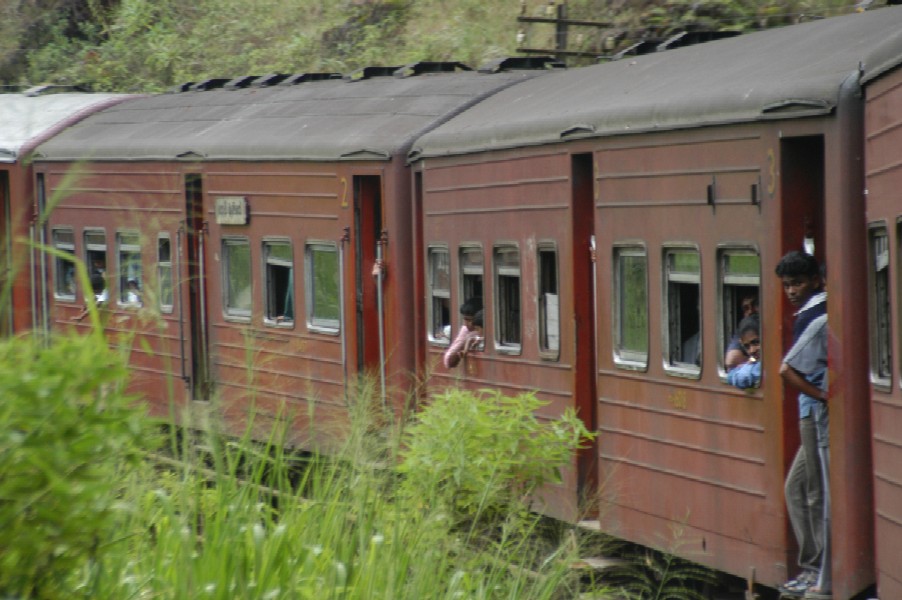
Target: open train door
column 584, row 298
column 192, row 290
column 369, row 285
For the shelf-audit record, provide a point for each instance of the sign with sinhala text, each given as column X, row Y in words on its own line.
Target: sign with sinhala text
column 232, row 210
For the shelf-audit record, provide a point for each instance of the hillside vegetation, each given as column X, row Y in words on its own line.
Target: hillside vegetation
column 149, row 45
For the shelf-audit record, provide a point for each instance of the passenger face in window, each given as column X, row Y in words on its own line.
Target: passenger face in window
column 751, row 343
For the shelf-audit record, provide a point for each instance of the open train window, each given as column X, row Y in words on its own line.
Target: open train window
column 739, row 284
column 64, row 270
column 323, row 287
column 131, row 279
column 507, row 299
column 164, row 271
column 236, row 273
column 549, row 303
column 879, row 300
column 682, row 312
column 95, row 259
column 279, row 283
column 439, row 265
column 631, row 307
column 471, row 272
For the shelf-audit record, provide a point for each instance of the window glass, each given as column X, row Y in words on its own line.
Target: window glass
column 64, row 270
column 236, row 254
column 164, row 271
column 471, row 272
column 279, row 282
column 439, row 265
column 740, row 282
column 549, row 308
column 631, row 305
column 323, row 287
column 130, row 276
column 95, row 259
column 507, row 298
column 881, row 342
column 683, row 309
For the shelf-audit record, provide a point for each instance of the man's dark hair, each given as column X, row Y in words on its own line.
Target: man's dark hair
column 479, row 318
column 471, row 307
column 750, row 323
column 98, row 284
column 798, row 263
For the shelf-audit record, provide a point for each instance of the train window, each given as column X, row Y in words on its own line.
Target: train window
column 507, row 299
column 130, row 275
column 471, row 272
column 439, row 265
column 881, row 341
column 64, row 270
column 682, row 308
column 95, row 258
column 236, row 273
column 279, row 285
column 549, row 308
column 631, row 307
column 164, row 271
column 323, row 288
column 739, row 281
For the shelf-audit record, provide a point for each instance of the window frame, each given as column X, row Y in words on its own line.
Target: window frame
column 733, row 281
column 58, row 264
column 229, row 312
column 546, row 350
column 122, row 279
column 671, row 367
column 161, row 264
column 92, row 247
column 628, row 359
column 316, row 323
column 879, row 380
column 268, row 261
column 498, row 271
column 432, row 293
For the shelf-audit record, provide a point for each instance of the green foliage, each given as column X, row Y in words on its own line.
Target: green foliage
column 473, row 453
column 150, row 45
column 68, row 435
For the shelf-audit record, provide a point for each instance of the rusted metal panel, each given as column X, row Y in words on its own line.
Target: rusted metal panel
column 883, row 178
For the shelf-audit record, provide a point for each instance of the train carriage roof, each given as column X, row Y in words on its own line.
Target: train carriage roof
column 333, row 119
column 28, row 119
column 785, row 72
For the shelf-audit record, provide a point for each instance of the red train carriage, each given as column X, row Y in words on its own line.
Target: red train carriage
column 27, row 119
column 883, row 179
column 249, row 218
column 684, row 176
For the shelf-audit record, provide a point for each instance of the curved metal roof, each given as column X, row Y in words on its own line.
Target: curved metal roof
column 786, row 72
column 26, row 120
column 372, row 119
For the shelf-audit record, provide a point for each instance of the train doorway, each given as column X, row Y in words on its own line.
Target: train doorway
column 584, row 298
column 194, row 229
column 369, row 285
column 802, row 220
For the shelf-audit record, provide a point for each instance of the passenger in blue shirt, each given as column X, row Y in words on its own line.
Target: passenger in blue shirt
column 805, row 369
column 748, row 374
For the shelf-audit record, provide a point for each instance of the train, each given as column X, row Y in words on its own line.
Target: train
column 291, row 234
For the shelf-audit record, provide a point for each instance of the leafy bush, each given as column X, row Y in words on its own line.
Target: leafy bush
column 477, row 452
column 67, row 434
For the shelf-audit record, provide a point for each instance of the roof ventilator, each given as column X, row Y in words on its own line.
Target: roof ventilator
column 690, row 38
column 209, row 84
column 239, row 83
column 305, row 77
column 521, row 63
column 420, row 68
column 370, row 73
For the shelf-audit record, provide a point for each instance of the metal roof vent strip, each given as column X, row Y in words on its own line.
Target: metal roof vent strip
column 521, row 63
column 181, row 87
column 690, row 38
column 366, row 154
column 40, row 90
column 370, row 73
column 423, row 67
column 270, row 79
column 577, row 130
column 191, row 155
column 239, row 83
column 304, row 77
column 797, row 105
column 209, row 84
